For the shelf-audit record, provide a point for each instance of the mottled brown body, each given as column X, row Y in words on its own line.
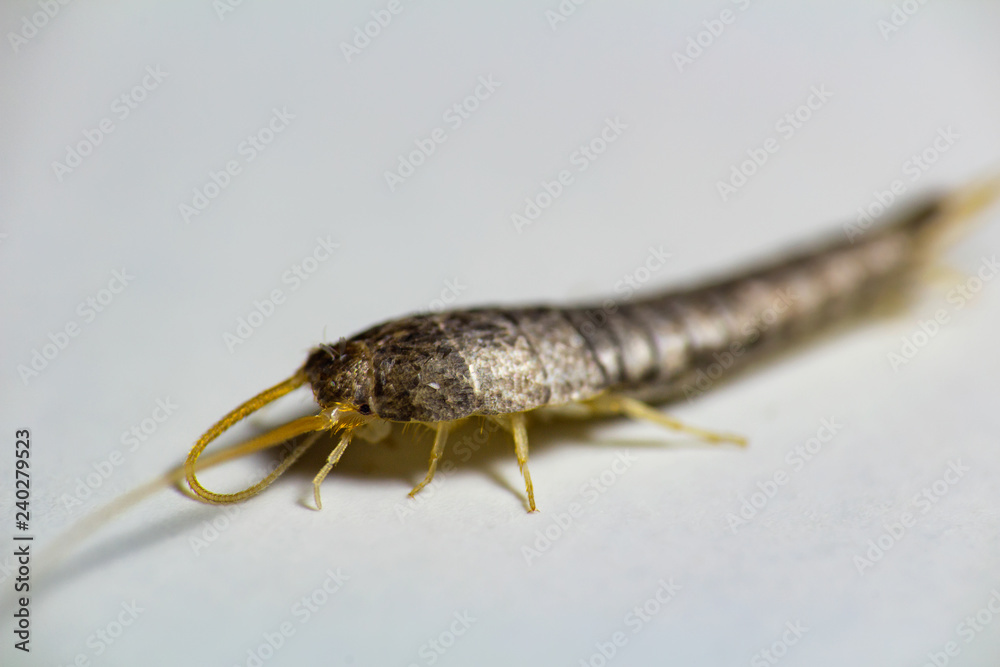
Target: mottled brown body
column 501, row 363
column 494, row 361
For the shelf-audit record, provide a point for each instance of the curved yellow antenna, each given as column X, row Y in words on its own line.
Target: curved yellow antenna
column 320, row 422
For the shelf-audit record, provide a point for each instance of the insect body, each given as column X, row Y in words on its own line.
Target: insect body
column 502, row 363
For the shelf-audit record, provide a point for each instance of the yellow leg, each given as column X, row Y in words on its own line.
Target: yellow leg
column 636, row 409
column 440, row 437
column 520, row 431
column 331, row 461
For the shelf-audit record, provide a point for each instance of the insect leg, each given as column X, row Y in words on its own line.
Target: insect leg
column 331, row 461
column 520, row 431
column 636, row 409
column 440, row 437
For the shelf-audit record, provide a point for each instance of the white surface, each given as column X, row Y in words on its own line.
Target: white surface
column 461, row 549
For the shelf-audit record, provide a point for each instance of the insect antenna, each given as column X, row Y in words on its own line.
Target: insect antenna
column 283, row 433
column 315, row 424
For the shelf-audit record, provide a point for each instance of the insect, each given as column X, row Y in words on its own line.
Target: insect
column 502, row 364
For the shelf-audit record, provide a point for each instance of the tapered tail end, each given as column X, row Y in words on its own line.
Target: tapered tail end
column 955, row 212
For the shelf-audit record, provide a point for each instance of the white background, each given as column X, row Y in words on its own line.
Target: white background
column 462, row 547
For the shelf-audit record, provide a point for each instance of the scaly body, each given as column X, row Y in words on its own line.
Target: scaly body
column 501, row 363
column 495, row 361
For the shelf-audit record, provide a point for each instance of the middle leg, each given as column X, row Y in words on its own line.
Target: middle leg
column 440, row 437
column 520, row 431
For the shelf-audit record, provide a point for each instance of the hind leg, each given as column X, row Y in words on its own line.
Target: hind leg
column 631, row 407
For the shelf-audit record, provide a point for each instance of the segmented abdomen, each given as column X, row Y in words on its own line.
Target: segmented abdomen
column 656, row 347
column 504, row 360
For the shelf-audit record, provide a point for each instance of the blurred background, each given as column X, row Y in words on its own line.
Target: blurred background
column 194, row 195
